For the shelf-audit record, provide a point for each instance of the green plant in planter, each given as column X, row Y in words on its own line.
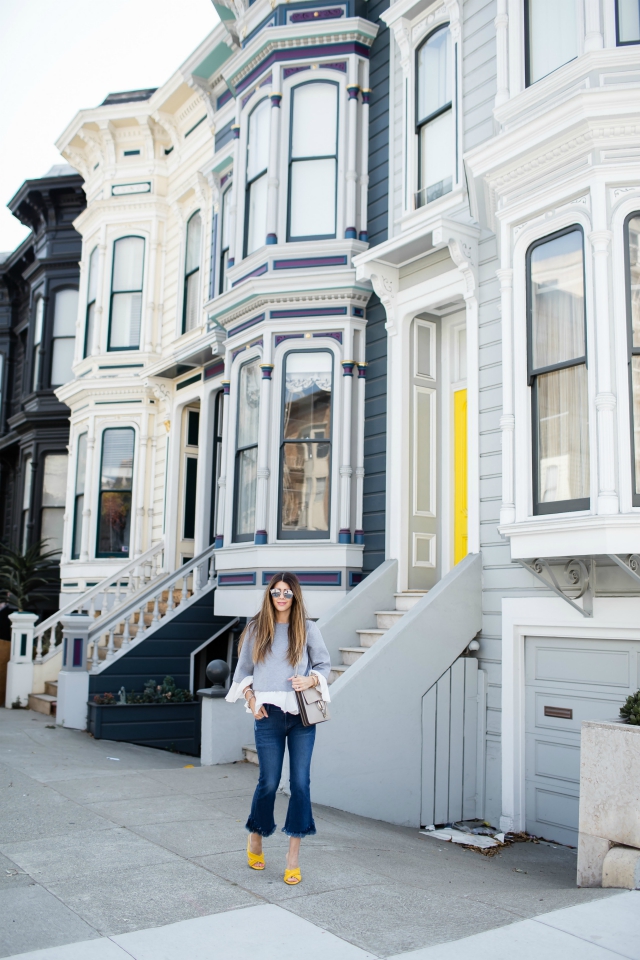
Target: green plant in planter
column 631, row 709
column 165, row 692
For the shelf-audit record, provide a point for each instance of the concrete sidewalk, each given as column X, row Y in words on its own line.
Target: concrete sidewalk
column 129, row 851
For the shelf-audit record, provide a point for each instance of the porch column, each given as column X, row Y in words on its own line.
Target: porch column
column 146, row 327
column 81, row 317
column 507, row 420
column 358, row 536
column 89, row 486
column 222, row 479
column 344, row 535
column 262, row 484
column 272, row 174
column 352, row 146
column 605, row 399
column 593, row 39
column 205, row 461
column 364, row 161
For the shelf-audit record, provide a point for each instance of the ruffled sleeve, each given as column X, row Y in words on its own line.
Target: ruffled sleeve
column 236, row 690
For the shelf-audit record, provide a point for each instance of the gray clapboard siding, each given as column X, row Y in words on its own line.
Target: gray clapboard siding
column 378, row 198
column 375, row 437
column 478, row 71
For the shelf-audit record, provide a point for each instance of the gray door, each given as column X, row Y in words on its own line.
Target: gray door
column 568, row 681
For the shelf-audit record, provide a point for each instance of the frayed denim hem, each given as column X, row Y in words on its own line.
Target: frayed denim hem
column 250, row 825
column 311, row 832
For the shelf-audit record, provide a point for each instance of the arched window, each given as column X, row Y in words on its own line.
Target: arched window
column 65, row 313
column 305, row 453
column 37, row 344
column 255, row 234
column 192, row 273
column 224, row 239
column 551, row 28
column 116, row 483
column 246, row 473
column 92, row 292
column 126, row 294
column 313, row 161
column 434, row 117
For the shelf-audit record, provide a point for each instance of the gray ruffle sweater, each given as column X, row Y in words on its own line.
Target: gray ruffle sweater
column 272, row 675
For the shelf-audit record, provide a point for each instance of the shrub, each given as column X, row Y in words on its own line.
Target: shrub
column 631, row 709
column 165, row 692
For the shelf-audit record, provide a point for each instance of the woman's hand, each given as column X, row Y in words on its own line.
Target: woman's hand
column 303, row 683
column 260, row 713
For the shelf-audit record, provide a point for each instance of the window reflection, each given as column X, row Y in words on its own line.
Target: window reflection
column 116, row 479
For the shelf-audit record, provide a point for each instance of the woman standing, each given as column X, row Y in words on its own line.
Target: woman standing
column 280, row 651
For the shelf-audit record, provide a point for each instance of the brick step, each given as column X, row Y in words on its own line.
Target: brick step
column 43, row 703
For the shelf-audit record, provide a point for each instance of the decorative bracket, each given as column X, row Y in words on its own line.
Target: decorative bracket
column 576, row 572
column 632, row 567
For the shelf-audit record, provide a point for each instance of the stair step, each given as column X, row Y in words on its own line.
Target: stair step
column 408, row 599
column 51, row 687
column 336, row 671
column 42, row 703
column 368, row 637
column 250, row 753
column 388, row 618
column 351, row 654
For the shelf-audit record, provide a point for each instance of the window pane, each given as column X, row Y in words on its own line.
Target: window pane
column 51, row 528
column 128, row 257
column 434, row 73
column 37, row 334
column 307, row 396
column 92, row 286
column 226, row 206
column 247, row 470
column 248, row 404
column 90, row 328
column 553, row 36
column 65, row 313
column 62, row 360
column 305, row 487
column 628, row 21
column 81, row 463
column 258, row 146
column 635, row 387
column 634, row 278
column 557, row 300
column 117, row 459
column 54, row 486
column 563, row 435
column 77, row 527
column 190, row 481
column 126, row 312
column 191, row 301
column 313, row 198
column 193, row 428
column 315, row 120
column 115, row 523
column 257, row 226
column 27, row 476
column 194, row 232
column 224, row 281
column 436, row 157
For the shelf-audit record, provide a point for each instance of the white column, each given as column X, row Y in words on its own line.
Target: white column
column 352, row 151
column 501, row 23
column 473, row 446
column 262, row 486
column 20, row 666
column 364, row 160
column 358, row 536
column 234, row 251
column 507, row 420
column 344, row 535
column 102, row 305
column 605, row 398
column 272, row 174
column 88, row 490
column 221, row 519
column 593, row 39
column 142, row 483
column 203, row 480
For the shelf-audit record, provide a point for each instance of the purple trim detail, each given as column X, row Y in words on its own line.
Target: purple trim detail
column 353, row 92
column 289, row 71
column 230, row 263
column 276, row 99
column 341, row 66
column 355, row 576
column 245, row 325
column 254, row 273
column 310, row 578
column 362, row 371
column 255, row 343
column 344, row 536
column 351, row 233
column 281, row 337
column 219, row 541
column 260, row 537
column 223, row 98
column 347, row 370
column 364, row 236
column 333, row 13
column 271, row 239
column 77, row 652
column 224, row 179
column 310, row 312
column 309, row 53
column 236, row 353
column 310, row 262
column 214, row 370
column 236, row 131
column 366, row 94
column 246, row 99
column 236, row 579
column 267, row 370
column 226, row 385
column 267, row 80
column 334, row 334
column 357, row 312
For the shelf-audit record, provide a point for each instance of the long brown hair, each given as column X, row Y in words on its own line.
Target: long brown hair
column 262, row 626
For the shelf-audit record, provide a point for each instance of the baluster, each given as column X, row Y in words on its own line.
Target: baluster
column 212, row 571
column 126, row 636
column 111, row 647
column 170, row 599
column 141, row 627
column 92, row 608
column 156, row 608
column 184, row 591
column 39, row 648
column 95, row 658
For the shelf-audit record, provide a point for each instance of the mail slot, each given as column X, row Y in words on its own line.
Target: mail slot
column 563, row 713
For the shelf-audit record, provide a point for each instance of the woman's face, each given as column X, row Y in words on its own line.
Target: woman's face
column 281, row 602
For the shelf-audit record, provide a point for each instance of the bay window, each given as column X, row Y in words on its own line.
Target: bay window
column 78, row 499
column 27, row 483
column 37, row 344
column 435, row 117
column 223, row 283
column 246, row 472
column 627, row 21
column 65, row 313
column 54, row 489
column 92, row 292
column 255, row 234
column 126, row 294
column 192, row 273
column 558, row 373
column 551, row 32
column 114, row 499
column 313, row 161
column 632, row 241
column 305, row 452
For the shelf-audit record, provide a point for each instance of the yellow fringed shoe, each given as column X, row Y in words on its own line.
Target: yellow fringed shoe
column 255, row 860
column 292, row 877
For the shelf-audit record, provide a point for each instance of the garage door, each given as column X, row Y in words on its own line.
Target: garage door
column 568, row 681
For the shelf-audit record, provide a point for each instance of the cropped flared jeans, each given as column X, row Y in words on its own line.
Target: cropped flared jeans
column 272, row 732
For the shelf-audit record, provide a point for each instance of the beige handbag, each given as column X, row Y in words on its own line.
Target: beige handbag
column 311, row 706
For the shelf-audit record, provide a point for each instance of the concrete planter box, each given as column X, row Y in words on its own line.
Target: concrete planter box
column 609, row 842
column 169, row 726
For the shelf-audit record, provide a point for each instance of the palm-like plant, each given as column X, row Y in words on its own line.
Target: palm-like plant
column 24, row 575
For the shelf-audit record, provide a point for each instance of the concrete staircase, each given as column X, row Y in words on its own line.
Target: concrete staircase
column 385, row 619
column 150, row 617
column 45, row 702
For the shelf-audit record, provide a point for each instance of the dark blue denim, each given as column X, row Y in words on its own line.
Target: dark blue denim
column 271, row 734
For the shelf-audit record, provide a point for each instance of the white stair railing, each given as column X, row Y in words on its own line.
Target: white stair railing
column 107, row 595
column 182, row 587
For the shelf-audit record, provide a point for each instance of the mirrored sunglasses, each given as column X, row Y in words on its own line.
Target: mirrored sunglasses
column 287, row 594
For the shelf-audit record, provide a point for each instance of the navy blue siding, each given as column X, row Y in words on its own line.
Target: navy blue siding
column 224, row 135
column 375, row 437
column 378, row 206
